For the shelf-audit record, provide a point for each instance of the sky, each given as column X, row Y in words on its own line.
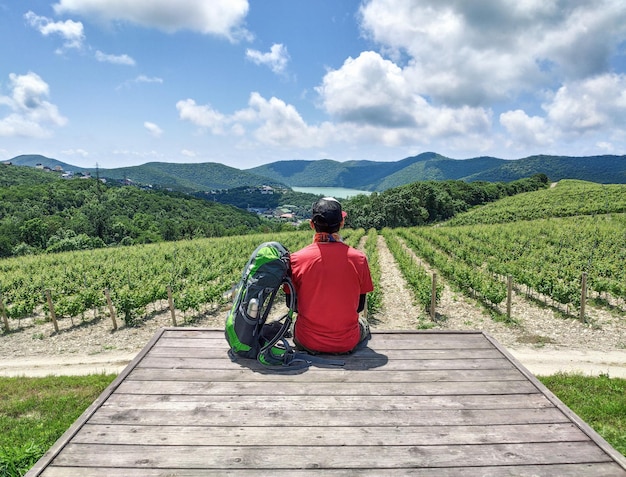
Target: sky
column 117, row 83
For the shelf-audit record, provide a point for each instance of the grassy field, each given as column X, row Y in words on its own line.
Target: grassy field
column 34, row 412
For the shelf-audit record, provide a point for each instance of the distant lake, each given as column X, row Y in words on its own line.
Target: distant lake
column 338, row 192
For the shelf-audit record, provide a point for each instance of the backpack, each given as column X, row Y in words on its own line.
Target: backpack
column 247, row 332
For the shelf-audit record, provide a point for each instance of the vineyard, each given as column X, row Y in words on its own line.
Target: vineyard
column 569, row 198
column 197, row 272
column 544, row 257
column 558, row 261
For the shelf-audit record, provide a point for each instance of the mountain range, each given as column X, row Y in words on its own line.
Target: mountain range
column 364, row 175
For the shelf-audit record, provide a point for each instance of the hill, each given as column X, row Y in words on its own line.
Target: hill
column 180, row 177
column 427, row 202
column 380, row 176
column 364, row 175
column 42, row 212
column 563, row 199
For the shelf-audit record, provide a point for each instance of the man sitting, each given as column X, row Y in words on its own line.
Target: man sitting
column 331, row 280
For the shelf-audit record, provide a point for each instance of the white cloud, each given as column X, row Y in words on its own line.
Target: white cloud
column 138, row 80
column 115, row 59
column 276, row 59
column 203, row 116
column 369, row 90
column 30, row 112
column 593, row 107
column 597, row 103
column 271, row 122
column 373, row 92
column 525, row 130
column 188, row 153
column 153, row 129
column 474, row 53
column 75, row 152
column 217, row 17
column 280, row 124
column 71, row 31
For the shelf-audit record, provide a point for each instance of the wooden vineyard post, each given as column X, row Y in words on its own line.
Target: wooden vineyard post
column 583, row 296
column 433, row 297
column 509, row 295
column 111, row 309
column 53, row 316
column 5, row 319
column 171, row 302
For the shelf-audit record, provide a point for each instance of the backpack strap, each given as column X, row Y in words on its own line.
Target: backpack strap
column 278, row 354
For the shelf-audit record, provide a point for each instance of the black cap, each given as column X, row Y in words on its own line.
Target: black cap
column 327, row 213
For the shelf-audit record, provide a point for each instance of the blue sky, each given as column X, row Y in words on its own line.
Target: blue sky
column 246, row 82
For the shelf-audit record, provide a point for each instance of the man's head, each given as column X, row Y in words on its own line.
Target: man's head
column 327, row 215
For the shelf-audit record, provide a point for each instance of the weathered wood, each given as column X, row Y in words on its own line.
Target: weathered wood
column 170, row 301
column 308, row 456
column 5, row 319
column 397, row 365
column 330, row 436
column 418, row 403
column 53, row 315
column 111, row 308
column 226, row 389
column 327, row 402
column 217, row 352
column 326, row 375
column 583, row 296
column 560, row 470
column 433, row 297
column 509, row 295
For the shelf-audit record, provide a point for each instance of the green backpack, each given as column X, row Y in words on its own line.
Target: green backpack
column 247, row 332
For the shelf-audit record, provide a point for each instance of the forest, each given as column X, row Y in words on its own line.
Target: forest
column 427, row 202
column 61, row 215
column 40, row 212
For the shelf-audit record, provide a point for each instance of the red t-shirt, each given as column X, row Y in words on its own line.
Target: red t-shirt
column 329, row 277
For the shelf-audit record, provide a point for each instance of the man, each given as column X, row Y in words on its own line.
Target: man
column 331, row 280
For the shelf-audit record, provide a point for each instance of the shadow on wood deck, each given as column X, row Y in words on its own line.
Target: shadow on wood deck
column 412, row 403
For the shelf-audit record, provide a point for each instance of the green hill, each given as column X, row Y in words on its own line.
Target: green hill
column 380, row 176
column 563, row 199
column 12, row 176
column 39, row 211
column 189, row 177
column 600, row 169
column 427, row 202
column 179, row 177
column 364, row 175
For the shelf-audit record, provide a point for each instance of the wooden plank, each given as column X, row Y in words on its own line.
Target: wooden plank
column 412, row 403
column 560, row 470
column 225, row 389
column 205, row 416
column 380, row 343
column 326, row 375
column 603, row 444
column 353, row 364
column 307, row 456
column 366, row 436
column 326, row 402
column 368, row 353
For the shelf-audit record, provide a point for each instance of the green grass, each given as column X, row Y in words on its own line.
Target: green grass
column 599, row 401
column 35, row 412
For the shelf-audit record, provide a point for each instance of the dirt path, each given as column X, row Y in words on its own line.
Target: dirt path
column 541, row 340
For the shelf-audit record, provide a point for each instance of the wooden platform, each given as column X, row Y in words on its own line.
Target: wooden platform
column 415, row 403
